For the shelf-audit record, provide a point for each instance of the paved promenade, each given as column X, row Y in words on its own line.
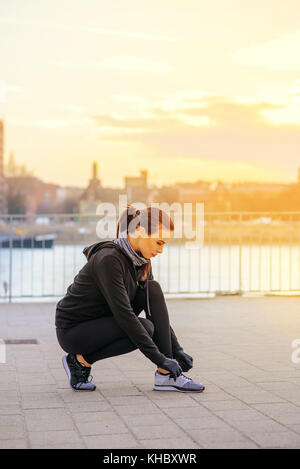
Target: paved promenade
column 242, row 354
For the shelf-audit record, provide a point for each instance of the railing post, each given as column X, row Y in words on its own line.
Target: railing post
column 240, row 256
column 10, row 269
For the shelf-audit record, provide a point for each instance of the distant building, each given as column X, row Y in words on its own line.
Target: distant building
column 192, row 192
column 137, row 189
column 12, row 169
column 68, row 192
column 250, row 187
column 137, row 181
column 91, row 196
column 27, row 193
column 35, row 195
column 3, row 185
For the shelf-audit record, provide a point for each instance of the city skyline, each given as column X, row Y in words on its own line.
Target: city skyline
column 13, row 169
column 206, row 93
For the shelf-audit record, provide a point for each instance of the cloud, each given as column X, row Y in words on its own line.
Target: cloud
column 127, row 63
column 85, row 29
column 225, row 112
column 224, row 129
column 213, row 110
column 130, row 98
column 134, row 64
column 51, row 123
column 15, row 88
column 278, row 54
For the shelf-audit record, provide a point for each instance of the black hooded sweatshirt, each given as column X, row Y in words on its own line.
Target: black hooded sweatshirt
column 105, row 286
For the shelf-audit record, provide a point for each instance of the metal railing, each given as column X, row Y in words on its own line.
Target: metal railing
column 242, row 252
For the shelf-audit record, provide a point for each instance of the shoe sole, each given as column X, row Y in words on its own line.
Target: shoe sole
column 67, row 370
column 172, row 388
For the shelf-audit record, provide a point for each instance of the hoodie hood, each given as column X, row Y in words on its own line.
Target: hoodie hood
column 88, row 251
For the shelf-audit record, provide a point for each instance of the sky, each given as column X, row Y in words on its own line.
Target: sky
column 192, row 90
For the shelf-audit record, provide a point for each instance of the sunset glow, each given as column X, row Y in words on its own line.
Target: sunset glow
column 203, row 90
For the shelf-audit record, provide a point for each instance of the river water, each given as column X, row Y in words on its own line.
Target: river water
column 48, row 272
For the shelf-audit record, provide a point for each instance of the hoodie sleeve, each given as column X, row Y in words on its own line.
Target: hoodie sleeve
column 109, row 276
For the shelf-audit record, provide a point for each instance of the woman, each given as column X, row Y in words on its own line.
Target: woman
column 98, row 316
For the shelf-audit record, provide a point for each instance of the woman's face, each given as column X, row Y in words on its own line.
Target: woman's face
column 150, row 245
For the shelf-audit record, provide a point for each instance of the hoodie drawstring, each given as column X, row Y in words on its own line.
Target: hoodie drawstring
column 147, row 294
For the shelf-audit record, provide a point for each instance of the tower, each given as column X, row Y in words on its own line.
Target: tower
column 11, row 168
column 95, row 170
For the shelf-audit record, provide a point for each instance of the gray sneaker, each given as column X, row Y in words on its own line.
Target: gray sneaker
column 163, row 382
column 78, row 374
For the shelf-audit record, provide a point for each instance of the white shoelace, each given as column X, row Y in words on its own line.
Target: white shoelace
column 185, row 378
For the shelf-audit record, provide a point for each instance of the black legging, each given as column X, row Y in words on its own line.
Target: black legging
column 103, row 338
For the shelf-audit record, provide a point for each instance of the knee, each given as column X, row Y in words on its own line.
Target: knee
column 154, row 286
column 148, row 325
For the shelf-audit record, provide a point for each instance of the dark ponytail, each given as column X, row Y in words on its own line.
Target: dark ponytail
column 126, row 218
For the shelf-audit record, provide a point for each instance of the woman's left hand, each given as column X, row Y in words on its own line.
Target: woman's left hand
column 184, row 360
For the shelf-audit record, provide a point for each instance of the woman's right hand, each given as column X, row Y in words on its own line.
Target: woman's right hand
column 172, row 365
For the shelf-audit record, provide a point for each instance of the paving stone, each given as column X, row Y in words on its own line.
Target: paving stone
column 41, row 401
column 251, row 399
column 169, row 443
column 251, row 396
column 11, row 420
column 200, row 422
column 82, row 406
column 183, row 401
column 120, row 391
column 128, row 400
column 101, row 427
column 96, row 417
column 9, row 397
column 151, row 431
column 13, row 444
column 240, row 414
column 146, row 419
column 9, row 432
column 37, row 389
column 243, row 444
column 137, row 410
column 214, row 396
column 35, row 378
column 48, row 419
column 119, row 441
column 71, row 396
column 186, row 412
column 8, row 377
column 214, row 406
column 56, row 438
column 277, row 408
column 287, row 419
column 287, row 439
column 295, row 428
column 251, row 426
column 9, row 409
column 216, row 436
